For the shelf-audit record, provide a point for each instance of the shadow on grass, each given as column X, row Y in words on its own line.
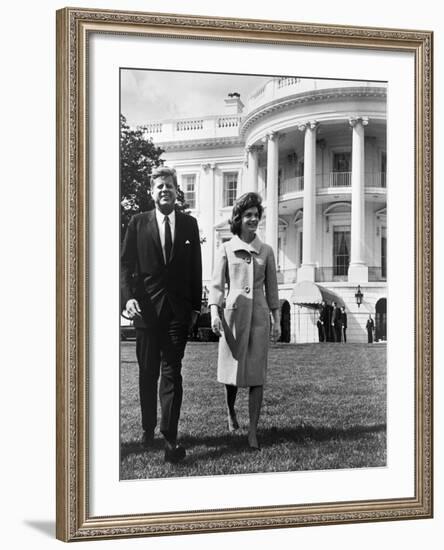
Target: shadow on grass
column 137, row 447
column 219, row 445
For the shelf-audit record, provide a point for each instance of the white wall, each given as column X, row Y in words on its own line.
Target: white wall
column 28, row 275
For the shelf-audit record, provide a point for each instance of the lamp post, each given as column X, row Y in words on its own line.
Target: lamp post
column 359, row 296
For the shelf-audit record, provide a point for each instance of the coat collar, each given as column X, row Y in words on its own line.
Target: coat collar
column 238, row 244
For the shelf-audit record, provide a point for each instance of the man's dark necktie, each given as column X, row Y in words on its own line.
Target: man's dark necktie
column 168, row 239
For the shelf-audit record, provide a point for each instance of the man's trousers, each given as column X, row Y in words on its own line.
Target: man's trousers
column 160, row 349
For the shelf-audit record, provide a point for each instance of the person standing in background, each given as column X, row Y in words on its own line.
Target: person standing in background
column 321, row 330
column 343, row 324
column 323, row 322
column 370, row 326
column 336, row 322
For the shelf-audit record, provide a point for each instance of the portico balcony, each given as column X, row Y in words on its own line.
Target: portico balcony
column 338, row 273
column 376, row 274
column 330, row 180
column 336, row 179
column 279, row 88
column 291, row 185
column 325, row 274
column 328, row 274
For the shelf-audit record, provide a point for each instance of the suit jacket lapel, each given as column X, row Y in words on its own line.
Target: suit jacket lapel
column 178, row 228
column 154, row 236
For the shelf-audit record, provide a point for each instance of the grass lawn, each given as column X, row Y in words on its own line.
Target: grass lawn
column 324, row 407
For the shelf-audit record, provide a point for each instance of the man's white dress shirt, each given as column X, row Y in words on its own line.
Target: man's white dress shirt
column 161, row 225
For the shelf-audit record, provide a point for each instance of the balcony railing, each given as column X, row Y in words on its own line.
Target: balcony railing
column 343, row 179
column 153, row 128
column 325, row 274
column 328, row 180
column 287, row 275
column 291, row 185
column 376, row 274
column 375, row 179
column 331, row 273
column 288, row 81
column 189, row 125
column 277, row 88
column 340, row 273
column 228, row 121
column 209, row 127
column 340, row 179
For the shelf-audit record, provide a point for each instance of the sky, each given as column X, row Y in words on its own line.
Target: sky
column 148, row 95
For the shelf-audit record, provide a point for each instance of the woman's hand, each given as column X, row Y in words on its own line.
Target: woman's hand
column 216, row 325
column 276, row 325
column 275, row 332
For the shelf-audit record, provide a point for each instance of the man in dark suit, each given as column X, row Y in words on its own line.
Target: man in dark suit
column 161, row 280
column 323, row 322
column 343, row 324
column 336, row 322
column 370, row 326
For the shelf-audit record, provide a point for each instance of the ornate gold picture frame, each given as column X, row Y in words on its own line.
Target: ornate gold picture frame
column 76, row 519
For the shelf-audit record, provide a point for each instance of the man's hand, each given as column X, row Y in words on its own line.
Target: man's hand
column 193, row 321
column 133, row 309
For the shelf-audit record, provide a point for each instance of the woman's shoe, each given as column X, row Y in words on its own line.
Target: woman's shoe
column 233, row 424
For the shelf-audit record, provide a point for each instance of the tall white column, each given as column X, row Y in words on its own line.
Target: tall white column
column 307, row 270
column 358, row 270
column 252, row 174
column 211, row 237
column 271, row 226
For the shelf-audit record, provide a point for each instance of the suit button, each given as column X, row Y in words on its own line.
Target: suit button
column 247, row 289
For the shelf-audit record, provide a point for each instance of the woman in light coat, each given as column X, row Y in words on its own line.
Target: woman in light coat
column 242, row 317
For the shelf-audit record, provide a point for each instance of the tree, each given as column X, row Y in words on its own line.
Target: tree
column 138, row 157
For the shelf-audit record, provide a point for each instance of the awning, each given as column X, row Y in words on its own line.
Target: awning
column 310, row 294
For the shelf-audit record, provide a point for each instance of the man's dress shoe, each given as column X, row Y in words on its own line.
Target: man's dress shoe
column 174, row 454
column 147, row 439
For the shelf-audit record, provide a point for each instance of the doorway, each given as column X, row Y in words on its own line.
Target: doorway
column 341, row 252
column 285, row 322
column 381, row 320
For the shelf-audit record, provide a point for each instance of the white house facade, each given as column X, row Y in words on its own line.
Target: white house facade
column 316, row 152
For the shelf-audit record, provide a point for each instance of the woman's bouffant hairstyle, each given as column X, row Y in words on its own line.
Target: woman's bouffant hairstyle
column 244, row 202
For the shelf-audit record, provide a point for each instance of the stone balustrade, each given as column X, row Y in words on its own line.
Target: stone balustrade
column 219, row 126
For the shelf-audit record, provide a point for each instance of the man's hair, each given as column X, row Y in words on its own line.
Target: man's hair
column 244, row 202
column 164, row 172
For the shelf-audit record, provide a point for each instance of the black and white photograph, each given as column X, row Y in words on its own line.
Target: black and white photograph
column 253, row 274
column 187, row 189
column 244, row 274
